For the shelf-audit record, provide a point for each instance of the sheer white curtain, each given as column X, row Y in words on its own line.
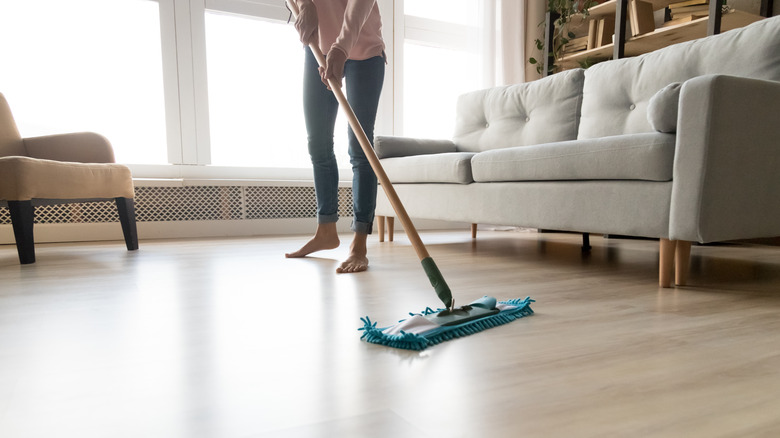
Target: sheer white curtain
column 504, row 31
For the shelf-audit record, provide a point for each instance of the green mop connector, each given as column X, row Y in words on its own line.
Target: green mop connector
column 437, row 281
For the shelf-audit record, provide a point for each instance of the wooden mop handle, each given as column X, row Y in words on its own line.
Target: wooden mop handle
column 365, row 144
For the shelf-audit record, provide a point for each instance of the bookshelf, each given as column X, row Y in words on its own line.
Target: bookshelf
column 660, row 37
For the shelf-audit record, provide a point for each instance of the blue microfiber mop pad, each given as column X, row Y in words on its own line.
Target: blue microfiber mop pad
column 431, row 327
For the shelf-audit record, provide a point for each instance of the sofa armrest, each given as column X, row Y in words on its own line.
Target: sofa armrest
column 726, row 178
column 390, row 146
column 80, row 147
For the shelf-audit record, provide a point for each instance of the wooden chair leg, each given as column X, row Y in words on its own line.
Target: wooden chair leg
column 390, row 226
column 22, row 219
column 682, row 262
column 666, row 265
column 126, row 209
column 473, row 231
column 380, row 222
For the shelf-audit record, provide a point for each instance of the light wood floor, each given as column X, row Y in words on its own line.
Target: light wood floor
column 226, row 338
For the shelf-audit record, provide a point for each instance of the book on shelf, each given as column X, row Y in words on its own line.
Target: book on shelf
column 690, row 10
column 682, row 20
column 605, row 30
column 592, row 32
column 688, row 3
column 641, row 17
column 576, row 45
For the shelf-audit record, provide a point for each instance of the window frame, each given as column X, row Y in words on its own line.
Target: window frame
column 429, row 32
column 183, row 36
column 185, row 82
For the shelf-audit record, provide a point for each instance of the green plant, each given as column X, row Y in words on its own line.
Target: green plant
column 561, row 12
column 588, row 62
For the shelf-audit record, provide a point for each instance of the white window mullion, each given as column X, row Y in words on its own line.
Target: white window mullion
column 385, row 115
column 186, row 78
column 200, row 81
column 399, row 26
column 488, row 42
column 171, row 81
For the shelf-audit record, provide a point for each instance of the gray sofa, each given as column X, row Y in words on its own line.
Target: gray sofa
column 680, row 144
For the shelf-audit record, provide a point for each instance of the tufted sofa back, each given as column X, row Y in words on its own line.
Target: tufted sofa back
column 616, row 93
column 542, row 111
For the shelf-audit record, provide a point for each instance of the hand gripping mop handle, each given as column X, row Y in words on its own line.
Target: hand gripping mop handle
column 434, row 275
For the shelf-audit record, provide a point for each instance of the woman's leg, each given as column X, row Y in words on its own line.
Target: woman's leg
column 320, row 108
column 363, row 82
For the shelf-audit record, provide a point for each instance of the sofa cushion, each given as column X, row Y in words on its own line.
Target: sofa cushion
column 662, row 109
column 541, row 111
column 439, row 168
column 391, row 146
column 646, row 157
column 616, row 93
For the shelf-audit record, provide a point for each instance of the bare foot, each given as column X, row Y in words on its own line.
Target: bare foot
column 357, row 260
column 326, row 237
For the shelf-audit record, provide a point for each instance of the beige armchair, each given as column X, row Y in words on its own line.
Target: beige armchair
column 56, row 169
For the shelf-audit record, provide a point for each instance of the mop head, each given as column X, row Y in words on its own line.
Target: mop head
column 431, row 327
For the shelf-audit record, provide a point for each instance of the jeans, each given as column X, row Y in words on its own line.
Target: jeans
column 363, row 83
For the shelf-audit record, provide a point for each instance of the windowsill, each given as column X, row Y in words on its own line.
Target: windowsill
column 176, row 174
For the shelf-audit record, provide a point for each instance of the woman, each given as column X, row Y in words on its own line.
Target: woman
column 349, row 32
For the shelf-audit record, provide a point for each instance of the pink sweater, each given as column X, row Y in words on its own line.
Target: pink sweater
column 354, row 26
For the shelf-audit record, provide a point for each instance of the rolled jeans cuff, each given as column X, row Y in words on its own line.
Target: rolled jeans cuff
column 362, row 227
column 327, row 218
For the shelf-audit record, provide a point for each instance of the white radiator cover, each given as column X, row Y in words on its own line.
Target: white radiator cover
column 185, row 209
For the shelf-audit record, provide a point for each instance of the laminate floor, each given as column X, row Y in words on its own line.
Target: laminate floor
column 227, row 338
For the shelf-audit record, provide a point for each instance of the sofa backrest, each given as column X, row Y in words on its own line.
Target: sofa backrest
column 543, row 111
column 10, row 140
column 616, row 93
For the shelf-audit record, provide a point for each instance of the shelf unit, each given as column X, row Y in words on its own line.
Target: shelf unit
column 715, row 23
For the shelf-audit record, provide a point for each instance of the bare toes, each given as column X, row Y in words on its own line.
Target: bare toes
column 353, row 265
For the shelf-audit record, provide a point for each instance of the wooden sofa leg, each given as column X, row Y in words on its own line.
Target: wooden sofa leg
column 473, row 231
column 390, row 226
column 666, row 265
column 682, row 262
column 22, row 219
column 126, row 209
column 380, row 224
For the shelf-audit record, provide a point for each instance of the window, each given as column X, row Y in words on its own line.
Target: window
column 214, row 86
column 463, row 12
column 255, row 94
column 86, row 65
column 440, row 62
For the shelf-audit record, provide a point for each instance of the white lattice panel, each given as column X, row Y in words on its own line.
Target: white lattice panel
column 196, row 203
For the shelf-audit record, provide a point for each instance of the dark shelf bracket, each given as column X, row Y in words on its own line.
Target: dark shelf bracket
column 716, row 14
column 766, row 8
column 549, row 41
column 620, row 29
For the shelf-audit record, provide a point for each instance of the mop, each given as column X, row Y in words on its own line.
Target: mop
column 430, row 326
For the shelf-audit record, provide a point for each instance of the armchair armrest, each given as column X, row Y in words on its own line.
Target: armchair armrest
column 390, row 146
column 81, row 147
column 726, row 177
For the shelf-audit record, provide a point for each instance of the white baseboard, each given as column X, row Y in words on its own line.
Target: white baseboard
column 194, row 229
